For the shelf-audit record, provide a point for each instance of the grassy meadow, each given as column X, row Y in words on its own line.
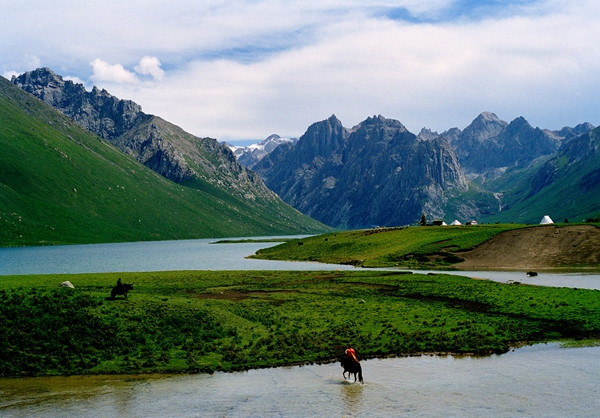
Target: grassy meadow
column 204, row 321
column 411, row 247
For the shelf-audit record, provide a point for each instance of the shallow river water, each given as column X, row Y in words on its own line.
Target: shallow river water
column 542, row 380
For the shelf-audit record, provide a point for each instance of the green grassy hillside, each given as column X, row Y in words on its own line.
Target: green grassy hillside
column 564, row 186
column 387, row 247
column 61, row 184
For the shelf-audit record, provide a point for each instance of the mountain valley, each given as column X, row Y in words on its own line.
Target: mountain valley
column 374, row 174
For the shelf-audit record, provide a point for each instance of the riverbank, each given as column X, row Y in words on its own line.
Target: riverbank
column 205, row 321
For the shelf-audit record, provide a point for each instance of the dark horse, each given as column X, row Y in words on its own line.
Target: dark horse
column 352, row 366
column 121, row 289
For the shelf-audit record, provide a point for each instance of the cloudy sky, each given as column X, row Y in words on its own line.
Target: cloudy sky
column 235, row 70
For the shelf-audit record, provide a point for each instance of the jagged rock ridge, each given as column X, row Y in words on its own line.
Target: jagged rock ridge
column 156, row 143
column 376, row 173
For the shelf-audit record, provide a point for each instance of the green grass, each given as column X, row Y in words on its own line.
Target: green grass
column 61, row 184
column 203, row 321
column 387, row 247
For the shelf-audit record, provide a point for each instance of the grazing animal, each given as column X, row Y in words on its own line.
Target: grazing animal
column 352, row 366
column 121, row 289
column 531, row 273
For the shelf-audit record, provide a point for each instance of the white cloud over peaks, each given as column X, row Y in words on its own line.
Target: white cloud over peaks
column 150, row 66
column 115, row 73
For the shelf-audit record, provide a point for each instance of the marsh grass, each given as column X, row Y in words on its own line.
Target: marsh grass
column 203, row 321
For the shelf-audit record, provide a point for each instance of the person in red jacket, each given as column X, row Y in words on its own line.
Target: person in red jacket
column 350, row 353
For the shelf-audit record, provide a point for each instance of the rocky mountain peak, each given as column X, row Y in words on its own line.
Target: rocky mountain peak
column 427, row 134
column 569, row 132
column 250, row 155
column 378, row 173
column 484, row 126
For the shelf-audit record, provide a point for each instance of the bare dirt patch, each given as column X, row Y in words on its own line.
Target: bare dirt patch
column 541, row 247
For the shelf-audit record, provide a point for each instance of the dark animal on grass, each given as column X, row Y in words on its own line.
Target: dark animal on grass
column 121, row 289
column 531, row 273
column 352, row 366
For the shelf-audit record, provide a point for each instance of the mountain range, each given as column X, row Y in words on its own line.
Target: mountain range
column 63, row 183
column 374, row 174
column 379, row 174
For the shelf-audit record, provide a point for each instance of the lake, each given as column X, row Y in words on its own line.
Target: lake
column 202, row 254
column 198, row 254
column 541, row 380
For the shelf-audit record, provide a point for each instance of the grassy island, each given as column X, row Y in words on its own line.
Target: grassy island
column 204, row 321
column 508, row 246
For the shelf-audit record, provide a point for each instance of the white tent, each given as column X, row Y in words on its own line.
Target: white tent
column 456, row 222
column 546, row 220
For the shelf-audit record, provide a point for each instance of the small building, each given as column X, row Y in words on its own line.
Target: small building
column 439, row 222
column 546, row 220
column 472, row 222
column 456, row 223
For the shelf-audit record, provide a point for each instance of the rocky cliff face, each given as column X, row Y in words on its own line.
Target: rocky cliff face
column 377, row 173
column 156, row 143
column 490, row 145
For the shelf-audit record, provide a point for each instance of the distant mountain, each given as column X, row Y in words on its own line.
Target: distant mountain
column 60, row 183
column 489, row 144
column 565, row 185
column 376, row 173
column 250, row 155
column 568, row 132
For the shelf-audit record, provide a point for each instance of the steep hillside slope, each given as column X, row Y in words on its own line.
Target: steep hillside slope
column 566, row 185
column 163, row 147
column 61, row 184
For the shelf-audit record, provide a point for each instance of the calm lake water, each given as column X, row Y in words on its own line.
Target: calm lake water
column 541, row 380
column 202, row 254
column 198, row 254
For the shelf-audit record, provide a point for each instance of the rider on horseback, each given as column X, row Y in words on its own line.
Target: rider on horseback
column 351, row 365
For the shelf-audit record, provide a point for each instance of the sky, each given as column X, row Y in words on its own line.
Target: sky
column 238, row 70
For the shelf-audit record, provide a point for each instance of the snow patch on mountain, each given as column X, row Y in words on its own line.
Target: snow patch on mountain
column 252, row 154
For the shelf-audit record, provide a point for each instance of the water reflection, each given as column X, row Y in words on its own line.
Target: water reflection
column 351, row 396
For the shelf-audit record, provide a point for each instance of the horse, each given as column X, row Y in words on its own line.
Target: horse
column 121, row 289
column 352, row 367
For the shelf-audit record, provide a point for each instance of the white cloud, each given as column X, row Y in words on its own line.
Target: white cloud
column 112, row 73
column 246, row 69
column 9, row 74
column 150, row 66
column 74, row 79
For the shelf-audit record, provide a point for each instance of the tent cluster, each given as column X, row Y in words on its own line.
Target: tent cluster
column 456, row 222
column 546, row 220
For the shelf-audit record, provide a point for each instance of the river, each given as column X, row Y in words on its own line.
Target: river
column 541, row 380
